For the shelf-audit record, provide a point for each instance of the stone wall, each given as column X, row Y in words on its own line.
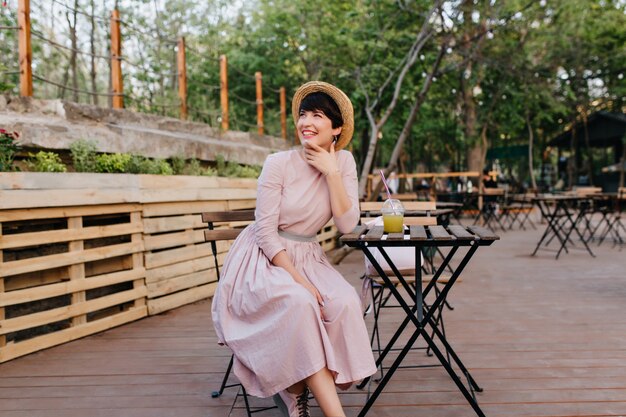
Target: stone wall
column 55, row 124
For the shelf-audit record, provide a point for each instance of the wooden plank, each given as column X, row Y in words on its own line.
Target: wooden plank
column 395, row 236
column 68, row 287
column 13, row 199
column 62, row 313
column 69, row 258
column 417, row 233
column 221, row 234
column 483, row 233
column 169, row 240
column 172, row 256
column 186, row 207
column 56, row 212
column 228, row 216
column 440, row 233
column 183, row 282
column 178, row 299
column 176, row 181
column 170, row 224
column 330, row 234
column 375, row 233
column 228, row 182
column 194, row 194
column 35, row 279
column 15, row 350
column 181, row 268
column 460, row 232
column 137, row 259
column 77, row 271
column 241, row 204
column 65, row 180
column 67, row 235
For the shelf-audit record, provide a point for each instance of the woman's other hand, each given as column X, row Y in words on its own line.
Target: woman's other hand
column 321, row 159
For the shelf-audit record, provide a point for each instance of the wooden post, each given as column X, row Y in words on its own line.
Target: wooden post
column 25, row 49
column 77, row 271
column 224, row 90
column 259, row 102
column 283, row 113
column 182, row 78
column 116, row 61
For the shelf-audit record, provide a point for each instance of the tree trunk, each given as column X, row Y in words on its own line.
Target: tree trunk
column 531, row 138
column 74, row 40
column 425, row 33
column 92, row 41
column 408, row 124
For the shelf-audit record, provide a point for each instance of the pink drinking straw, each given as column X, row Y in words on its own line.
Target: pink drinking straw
column 382, row 175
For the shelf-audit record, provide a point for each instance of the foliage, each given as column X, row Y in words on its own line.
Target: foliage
column 113, row 163
column 45, row 162
column 8, row 149
column 177, row 163
column 84, row 155
column 233, row 169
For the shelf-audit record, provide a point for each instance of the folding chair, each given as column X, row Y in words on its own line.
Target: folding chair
column 491, row 210
column 231, row 224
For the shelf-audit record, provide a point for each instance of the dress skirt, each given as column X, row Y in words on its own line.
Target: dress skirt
column 273, row 325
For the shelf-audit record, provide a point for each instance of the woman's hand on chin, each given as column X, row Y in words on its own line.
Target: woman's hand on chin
column 319, row 158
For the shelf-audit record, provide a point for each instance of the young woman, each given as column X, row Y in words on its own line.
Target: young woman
column 292, row 321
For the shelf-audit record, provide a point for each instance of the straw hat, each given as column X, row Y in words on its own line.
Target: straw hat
column 342, row 100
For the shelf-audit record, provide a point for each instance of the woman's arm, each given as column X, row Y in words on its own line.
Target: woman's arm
column 342, row 184
column 269, row 193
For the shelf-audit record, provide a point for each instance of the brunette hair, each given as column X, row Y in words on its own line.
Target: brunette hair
column 323, row 102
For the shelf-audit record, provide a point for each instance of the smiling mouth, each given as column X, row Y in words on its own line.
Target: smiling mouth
column 308, row 133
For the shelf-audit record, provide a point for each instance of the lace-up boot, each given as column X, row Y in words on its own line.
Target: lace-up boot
column 293, row 405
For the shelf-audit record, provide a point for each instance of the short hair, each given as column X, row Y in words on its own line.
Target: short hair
column 323, row 102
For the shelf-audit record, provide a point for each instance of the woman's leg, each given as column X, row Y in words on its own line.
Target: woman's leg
column 322, row 384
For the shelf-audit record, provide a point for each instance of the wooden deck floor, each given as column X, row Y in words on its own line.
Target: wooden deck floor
column 544, row 337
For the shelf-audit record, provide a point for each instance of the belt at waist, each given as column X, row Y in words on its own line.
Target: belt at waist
column 297, row 238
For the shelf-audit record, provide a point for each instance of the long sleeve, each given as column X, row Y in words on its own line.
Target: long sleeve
column 348, row 220
column 269, row 194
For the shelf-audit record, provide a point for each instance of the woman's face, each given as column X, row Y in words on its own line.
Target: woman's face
column 316, row 127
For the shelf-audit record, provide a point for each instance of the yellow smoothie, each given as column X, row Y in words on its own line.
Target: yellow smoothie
column 392, row 223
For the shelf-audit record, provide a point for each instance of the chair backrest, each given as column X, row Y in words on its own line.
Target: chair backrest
column 426, row 206
column 621, row 193
column 224, row 225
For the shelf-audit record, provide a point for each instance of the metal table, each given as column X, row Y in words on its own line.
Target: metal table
column 418, row 314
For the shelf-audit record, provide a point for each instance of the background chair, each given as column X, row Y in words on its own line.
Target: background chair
column 231, row 223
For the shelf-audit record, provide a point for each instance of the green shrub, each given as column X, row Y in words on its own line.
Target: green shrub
column 156, row 167
column 233, row 169
column 112, row 163
column 8, row 149
column 84, row 155
column 178, row 164
column 45, row 162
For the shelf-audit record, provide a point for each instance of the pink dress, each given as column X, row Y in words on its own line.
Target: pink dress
column 271, row 323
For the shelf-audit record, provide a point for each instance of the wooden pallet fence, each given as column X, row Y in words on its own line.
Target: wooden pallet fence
column 81, row 253
column 179, row 267
column 66, row 274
